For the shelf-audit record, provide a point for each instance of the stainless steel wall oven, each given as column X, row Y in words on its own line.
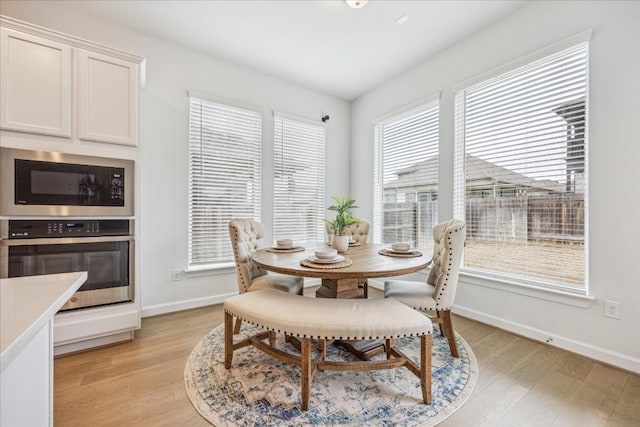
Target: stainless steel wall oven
column 61, row 213
column 104, row 248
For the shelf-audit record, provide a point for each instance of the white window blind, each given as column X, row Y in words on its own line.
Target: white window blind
column 520, row 171
column 224, row 176
column 298, row 188
column 406, row 177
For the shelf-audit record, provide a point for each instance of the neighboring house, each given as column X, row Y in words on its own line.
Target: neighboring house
column 486, row 179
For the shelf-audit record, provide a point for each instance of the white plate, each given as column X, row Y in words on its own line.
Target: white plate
column 410, row 251
column 284, row 248
column 339, row 258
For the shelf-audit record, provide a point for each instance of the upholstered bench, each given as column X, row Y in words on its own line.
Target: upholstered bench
column 327, row 320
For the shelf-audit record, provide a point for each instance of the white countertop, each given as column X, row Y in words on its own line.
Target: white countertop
column 27, row 304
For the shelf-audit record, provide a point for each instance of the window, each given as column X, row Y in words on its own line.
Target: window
column 520, row 172
column 298, row 188
column 406, row 177
column 224, row 176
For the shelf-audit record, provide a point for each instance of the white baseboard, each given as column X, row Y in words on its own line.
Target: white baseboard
column 310, row 283
column 155, row 310
column 376, row 284
column 597, row 353
column 92, row 343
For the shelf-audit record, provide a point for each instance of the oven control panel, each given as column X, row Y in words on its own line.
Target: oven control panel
column 33, row 229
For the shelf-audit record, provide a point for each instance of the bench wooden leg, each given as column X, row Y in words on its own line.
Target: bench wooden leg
column 306, row 375
column 425, row 368
column 389, row 343
column 228, row 339
column 236, row 329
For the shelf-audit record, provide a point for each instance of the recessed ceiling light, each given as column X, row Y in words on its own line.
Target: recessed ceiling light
column 356, row 4
column 402, row 19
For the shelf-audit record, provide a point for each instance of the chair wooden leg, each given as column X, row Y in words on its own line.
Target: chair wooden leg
column 447, row 323
column 228, row 339
column 439, row 313
column 425, row 368
column 272, row 339
column 236, row 329
column 305, row 376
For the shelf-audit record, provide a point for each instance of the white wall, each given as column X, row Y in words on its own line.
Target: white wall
column 170, row 72
column 614, row 168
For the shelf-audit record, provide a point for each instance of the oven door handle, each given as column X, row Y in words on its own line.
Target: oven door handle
column 65, row 240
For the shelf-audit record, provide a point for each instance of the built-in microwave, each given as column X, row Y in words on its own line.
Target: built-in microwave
column 56, row 184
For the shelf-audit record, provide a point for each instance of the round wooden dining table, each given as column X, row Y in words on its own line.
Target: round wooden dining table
column 342, row 282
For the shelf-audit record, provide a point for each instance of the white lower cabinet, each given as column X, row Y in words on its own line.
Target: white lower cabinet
column 26, row 384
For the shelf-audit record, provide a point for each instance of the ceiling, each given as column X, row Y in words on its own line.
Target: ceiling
column 320, row 44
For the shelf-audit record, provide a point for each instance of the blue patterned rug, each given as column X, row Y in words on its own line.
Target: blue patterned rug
column 259, row 390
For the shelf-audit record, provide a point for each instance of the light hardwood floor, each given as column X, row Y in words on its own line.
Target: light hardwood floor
column 521, row 382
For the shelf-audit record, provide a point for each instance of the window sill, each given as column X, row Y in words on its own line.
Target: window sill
column 558, row 296
column 210, row 270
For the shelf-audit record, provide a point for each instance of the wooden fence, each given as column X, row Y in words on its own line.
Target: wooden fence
column 551, row 218
column 410, row 222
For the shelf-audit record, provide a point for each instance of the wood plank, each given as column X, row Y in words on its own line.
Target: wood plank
column 628, row 405
column 543, row 403
column 595, row 400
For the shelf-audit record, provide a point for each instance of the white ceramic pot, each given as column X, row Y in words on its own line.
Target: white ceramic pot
column 340, row 243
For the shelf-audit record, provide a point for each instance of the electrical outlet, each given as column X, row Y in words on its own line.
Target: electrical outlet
column 176, row 275
column 612, row 309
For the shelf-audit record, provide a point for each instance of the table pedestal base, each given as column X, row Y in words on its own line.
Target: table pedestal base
column 364, row 350
column 348, row 288
column 340, row 288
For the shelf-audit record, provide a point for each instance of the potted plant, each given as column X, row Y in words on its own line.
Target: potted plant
column 342, row 222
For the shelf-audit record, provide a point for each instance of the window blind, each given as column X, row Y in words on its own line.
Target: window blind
column 224, row 176
column 521, row 171
column 298, row 188
column 406, row 177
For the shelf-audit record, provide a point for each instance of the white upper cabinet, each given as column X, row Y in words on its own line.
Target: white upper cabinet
column 60, row 85
column 108, row 99
column 36, row 83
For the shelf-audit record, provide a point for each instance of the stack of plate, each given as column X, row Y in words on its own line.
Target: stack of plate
column 401, row 248
column 284, row 244
column 326, row 256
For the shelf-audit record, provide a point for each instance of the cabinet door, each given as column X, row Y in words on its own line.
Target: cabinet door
column 108, row 99
column 35, row 77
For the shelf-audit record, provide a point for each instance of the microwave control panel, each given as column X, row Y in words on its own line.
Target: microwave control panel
column 116, row 176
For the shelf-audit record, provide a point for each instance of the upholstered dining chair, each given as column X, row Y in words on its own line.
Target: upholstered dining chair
column 438, row 293
column 246, row 236
column 360, row 233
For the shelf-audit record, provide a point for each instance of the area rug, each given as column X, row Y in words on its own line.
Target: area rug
column 259, row 390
